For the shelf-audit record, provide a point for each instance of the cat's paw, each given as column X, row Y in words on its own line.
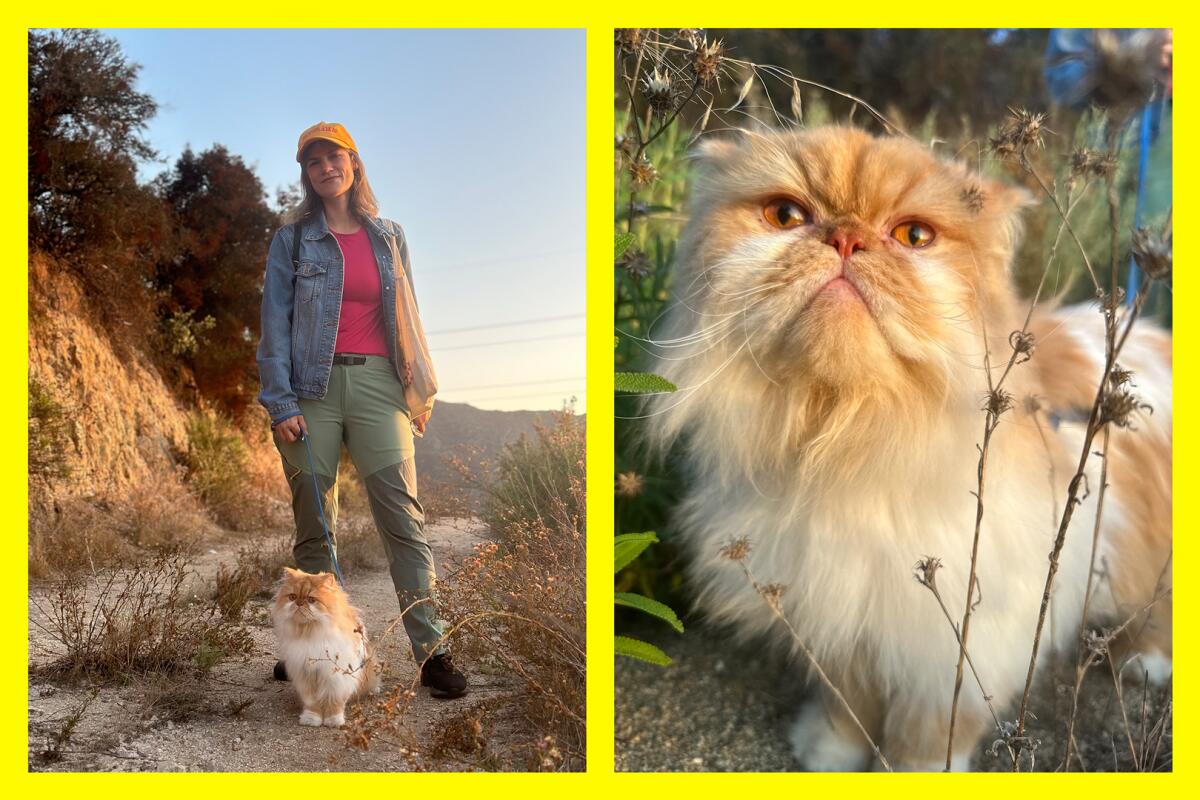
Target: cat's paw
column 310, row 718
column 335, row 720
column 1155, row 666
column 819, row 747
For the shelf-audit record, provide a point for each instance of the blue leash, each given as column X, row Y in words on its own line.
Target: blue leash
column 312, row 470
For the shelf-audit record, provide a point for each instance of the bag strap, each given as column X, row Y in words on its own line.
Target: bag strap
column 296, row 230
column 404, row 265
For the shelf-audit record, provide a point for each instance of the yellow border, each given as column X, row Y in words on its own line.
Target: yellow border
column 599, row 18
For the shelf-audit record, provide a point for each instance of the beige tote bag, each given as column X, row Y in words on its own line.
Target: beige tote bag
column 418, row 392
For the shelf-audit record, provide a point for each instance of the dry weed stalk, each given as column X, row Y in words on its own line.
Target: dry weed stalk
column 1104, row 411
column 772, row 593
column 1022, row 132
column 925, row 573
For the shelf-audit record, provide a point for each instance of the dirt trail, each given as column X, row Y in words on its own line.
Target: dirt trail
column 122, row 729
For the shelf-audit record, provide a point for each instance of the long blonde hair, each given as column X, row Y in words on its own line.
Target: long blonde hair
column 363, row 204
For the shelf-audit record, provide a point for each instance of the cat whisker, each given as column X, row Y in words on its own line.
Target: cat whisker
column 695, row 337
column 690, row 356
column 690, row 390
column 754, row 357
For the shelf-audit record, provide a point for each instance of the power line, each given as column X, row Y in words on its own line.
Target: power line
column 507, row 324
column 510, row 341
column 507, row 259
column 507, row 385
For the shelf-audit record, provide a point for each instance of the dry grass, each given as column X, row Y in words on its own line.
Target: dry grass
column 254, row 575
column 162, row 516
column 120, row 623
column 81, row 537
column 236, row 475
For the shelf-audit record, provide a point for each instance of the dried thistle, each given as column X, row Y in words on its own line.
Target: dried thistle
column 692, row 36
column 1022, row 130
column 772, row 593
column 629, row 484
column 1013, row 741
column 1152, row 254
column 658, row 91
column 1119, row 377
column 737, row 550
column 643, row 172
column 1088, row 163
column 1095, row 644
column 1022, row 344
column 630, row 40
column 972, row 198
column 998, row 401
column 925, row 571
column 636, row 264
column 1119, row 407
column 706, row 61
column 1124, row 70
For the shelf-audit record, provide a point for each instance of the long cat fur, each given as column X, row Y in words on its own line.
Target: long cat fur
column 836, row 429
column 324, row 646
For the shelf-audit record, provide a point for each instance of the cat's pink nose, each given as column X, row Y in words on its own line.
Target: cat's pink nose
column 847, row 243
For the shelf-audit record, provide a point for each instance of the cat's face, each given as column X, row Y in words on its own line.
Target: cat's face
column 304, row 598
column 852, row 260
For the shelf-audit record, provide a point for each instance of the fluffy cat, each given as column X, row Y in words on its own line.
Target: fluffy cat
column 828, row 335
column 324, row 645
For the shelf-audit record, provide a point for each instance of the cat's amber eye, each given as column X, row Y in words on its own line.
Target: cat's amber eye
column 913, row 234
column 783, row 212
column 292, row 596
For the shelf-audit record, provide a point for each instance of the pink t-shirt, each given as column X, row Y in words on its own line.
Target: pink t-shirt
column 361, row 329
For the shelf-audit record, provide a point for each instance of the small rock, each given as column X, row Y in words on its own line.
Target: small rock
column 697, row 761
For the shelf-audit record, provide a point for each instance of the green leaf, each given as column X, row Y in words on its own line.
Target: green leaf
column 631, row 545
column 624, row 242
column 635, row 648
column 642, row 383
column 651, row 607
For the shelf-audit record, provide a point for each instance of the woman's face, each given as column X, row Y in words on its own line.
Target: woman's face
column 330, row 169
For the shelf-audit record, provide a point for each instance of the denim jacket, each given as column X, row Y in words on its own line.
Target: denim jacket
column 301, row 307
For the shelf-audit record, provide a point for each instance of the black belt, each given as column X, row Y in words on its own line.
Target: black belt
column 350, row 361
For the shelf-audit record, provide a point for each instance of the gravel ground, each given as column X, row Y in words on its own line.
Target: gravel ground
column 720, row 707
column 239, row 718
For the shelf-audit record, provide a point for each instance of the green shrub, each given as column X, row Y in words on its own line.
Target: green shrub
column 216, row 462
column 49, row 433
column 537, row 473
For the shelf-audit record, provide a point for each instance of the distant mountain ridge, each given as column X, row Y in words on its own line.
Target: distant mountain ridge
column 455, row 429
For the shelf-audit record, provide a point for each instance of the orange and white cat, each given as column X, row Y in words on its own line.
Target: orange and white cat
column 835, row 294
column 323, row 644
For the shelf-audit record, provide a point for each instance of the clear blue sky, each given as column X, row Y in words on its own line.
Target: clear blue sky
column 473, row 141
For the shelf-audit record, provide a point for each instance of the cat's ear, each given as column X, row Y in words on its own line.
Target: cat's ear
column 1004, row 204
column 715, row 150
column 1004, row 199
column 328, row 579
column 288, row 572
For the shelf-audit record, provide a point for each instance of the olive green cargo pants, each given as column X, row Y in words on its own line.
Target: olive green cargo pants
column 364, row 407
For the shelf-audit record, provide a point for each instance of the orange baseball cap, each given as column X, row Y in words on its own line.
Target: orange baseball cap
column 330, row 132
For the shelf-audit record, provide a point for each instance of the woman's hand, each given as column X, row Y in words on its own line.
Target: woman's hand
column 418, row 423
column 290, row 429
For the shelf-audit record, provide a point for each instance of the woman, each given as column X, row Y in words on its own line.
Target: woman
column 340, row 337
